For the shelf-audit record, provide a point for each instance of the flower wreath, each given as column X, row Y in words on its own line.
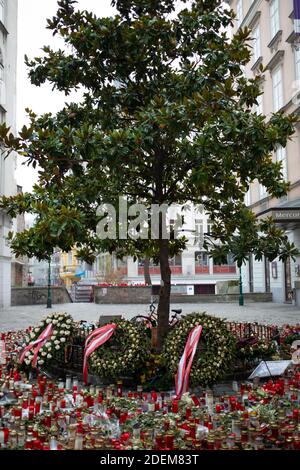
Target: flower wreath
column 215, row 351
column 123, row 353
column 63, row 328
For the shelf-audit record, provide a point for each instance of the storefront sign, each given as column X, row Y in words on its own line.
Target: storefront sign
column 286, row 214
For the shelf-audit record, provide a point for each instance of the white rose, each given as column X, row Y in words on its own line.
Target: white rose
column 64, row 325
column 56, row 341
column 62, row 340
column 68, row 326
column 55, row 332
column 56, row 347
column 32, row 335
column 54, row 322
column 48, row 321
column 36, row 330
column 67, row 333
column 49, row 356
column 43, row 353
column 27, row 361
column 53, row 337
column 41, row 361
column 68, row 322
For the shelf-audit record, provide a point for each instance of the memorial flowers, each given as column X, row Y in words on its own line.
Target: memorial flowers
column 215, row 351
column 43, row 343
column 126, row 350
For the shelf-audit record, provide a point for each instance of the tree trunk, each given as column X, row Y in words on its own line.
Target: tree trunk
column 163, row 310
column 147, row 276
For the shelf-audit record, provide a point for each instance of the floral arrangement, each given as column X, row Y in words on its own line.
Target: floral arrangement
column 123, row 354
column 288, row 334
column 256, row 349
column 63, row 328
column 215, row 352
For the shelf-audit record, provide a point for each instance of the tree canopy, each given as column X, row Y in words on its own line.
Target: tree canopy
column 166, row 117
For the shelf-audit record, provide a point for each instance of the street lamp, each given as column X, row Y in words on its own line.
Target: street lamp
column 241, row 297
column 49, row 296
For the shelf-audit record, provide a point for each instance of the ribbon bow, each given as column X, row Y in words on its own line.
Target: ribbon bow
column 93, row 341
column 185, row 364
column 39, row 342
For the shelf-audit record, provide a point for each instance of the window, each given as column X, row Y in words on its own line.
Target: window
column 274, row 17
column 201, row 258
column 256, row 43
column 2, row 10
column 281, row 157
column 209, row 227
column 2, row 82
column 239, row 12
column 175, row 261
column 259, row 108
column 248, row 197
column 277, row 89
column 198, row 230
column 201, row 262
column 263, row 192
column 297, row 65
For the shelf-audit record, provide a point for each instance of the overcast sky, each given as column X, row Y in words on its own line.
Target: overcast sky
column 33, row 35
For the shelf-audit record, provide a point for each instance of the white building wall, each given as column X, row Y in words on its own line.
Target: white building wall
column 8, row 56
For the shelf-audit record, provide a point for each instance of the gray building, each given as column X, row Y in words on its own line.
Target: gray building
column 8, row 65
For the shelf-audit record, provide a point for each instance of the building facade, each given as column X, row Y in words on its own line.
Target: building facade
column 8, row 65
column 276, row 46
column 192, row 271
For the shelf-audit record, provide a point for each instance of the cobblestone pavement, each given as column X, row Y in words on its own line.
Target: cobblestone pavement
column 268, row 313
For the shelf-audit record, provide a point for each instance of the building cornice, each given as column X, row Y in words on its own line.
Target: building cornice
column 276, row 59
column 3, row 29
column 251, row 13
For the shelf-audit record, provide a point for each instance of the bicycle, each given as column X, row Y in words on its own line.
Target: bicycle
column 151, row 320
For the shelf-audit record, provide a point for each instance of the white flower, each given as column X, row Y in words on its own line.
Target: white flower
column 41, row 361
column 48, row 345
column 67, row 333
column 48, row 320
column 49, row 356
column 55, row 332
column 62, row 340
column 27, row 361
column 53, row 337
column 69, row 321
column 56, row 341
column 54, row 322
column 43, row 353
column 57, row 347
column 32, row 335
column 68, row 326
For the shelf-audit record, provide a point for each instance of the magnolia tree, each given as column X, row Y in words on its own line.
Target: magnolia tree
column 165, row 117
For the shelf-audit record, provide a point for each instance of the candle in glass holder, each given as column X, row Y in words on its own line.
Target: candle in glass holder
column 175, row 406
column 68, row 382
column 169, row 438
column 119, row 388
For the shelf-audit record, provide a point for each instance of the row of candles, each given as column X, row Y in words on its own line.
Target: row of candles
column 45, row 414
column 54, row 415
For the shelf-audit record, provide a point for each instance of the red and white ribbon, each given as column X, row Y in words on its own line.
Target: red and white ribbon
column 93, row 341
column 37, row 344
column 185, row 364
